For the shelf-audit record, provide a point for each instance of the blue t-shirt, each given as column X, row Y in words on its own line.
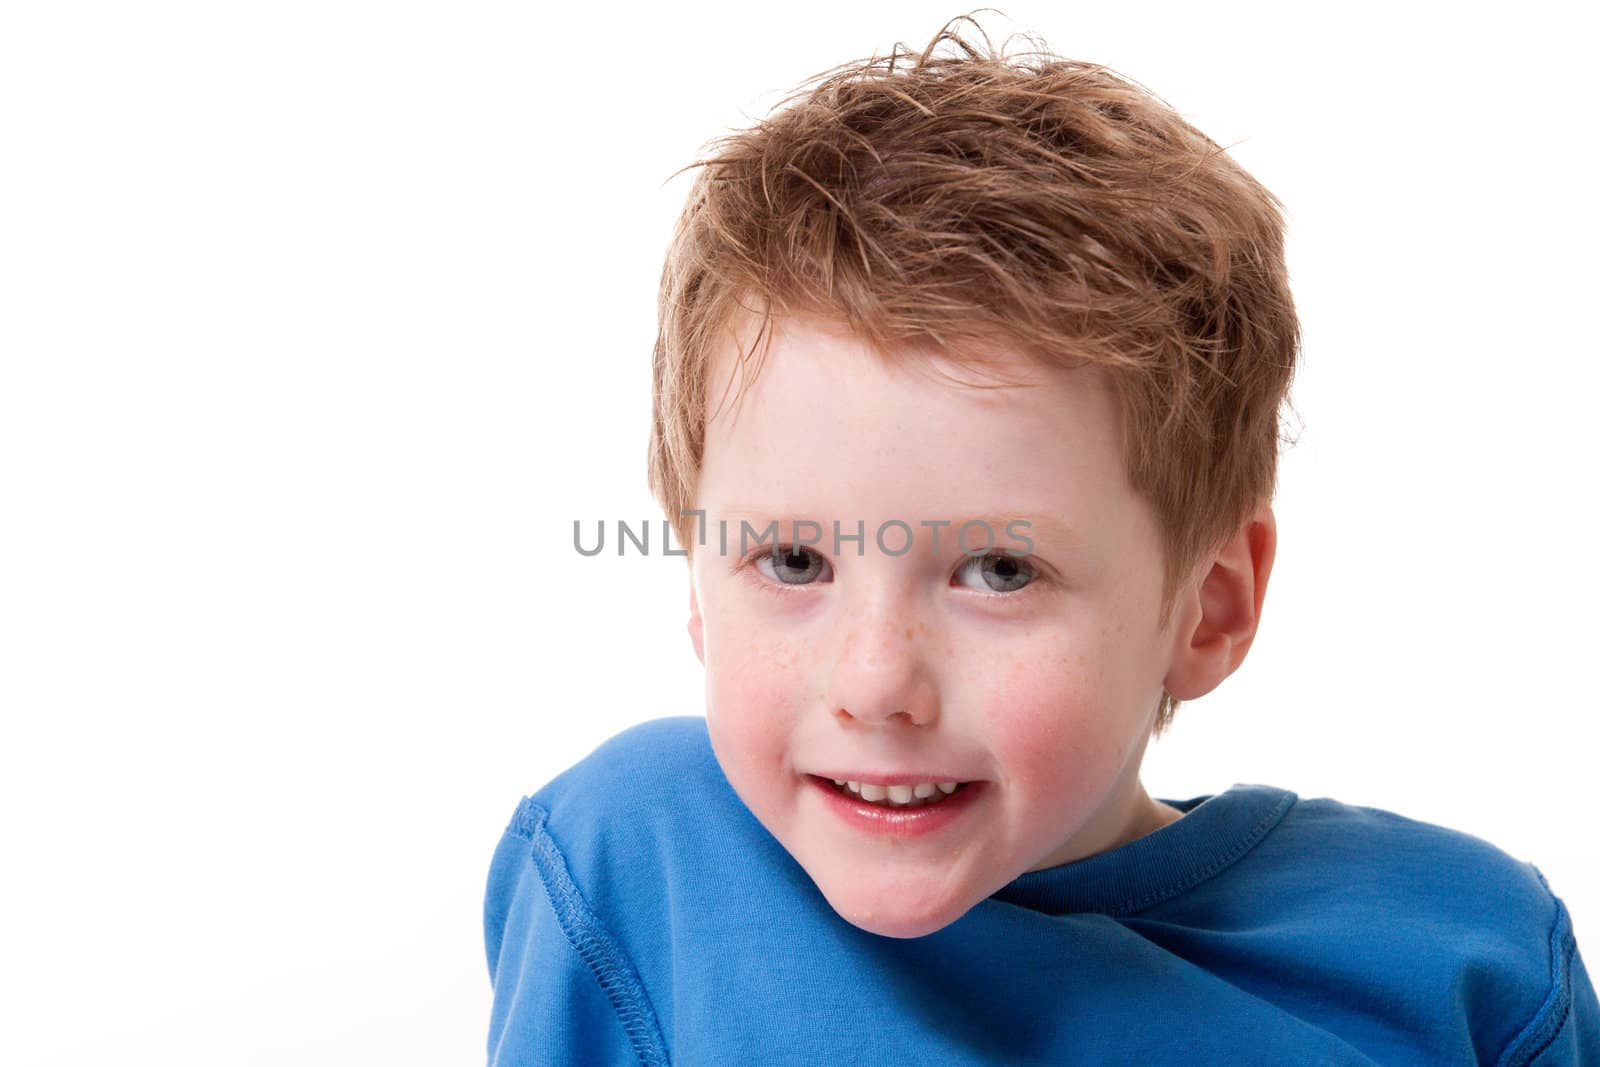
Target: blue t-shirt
column 637, row 912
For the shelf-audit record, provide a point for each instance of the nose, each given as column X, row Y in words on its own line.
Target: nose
column 881, row 672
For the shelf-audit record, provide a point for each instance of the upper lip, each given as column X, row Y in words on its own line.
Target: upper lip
column 874, row 778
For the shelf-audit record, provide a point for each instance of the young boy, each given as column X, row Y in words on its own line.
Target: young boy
column 966, row 402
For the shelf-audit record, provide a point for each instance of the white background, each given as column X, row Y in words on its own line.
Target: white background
column 321, row 323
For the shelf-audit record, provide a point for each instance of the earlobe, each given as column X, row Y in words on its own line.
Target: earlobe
column 1221, row 615
column 695, row 630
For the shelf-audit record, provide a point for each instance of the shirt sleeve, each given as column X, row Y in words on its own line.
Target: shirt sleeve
column 561, row 987
column 1566, row 1030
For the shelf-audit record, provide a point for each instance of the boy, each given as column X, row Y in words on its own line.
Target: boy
column 966, row 398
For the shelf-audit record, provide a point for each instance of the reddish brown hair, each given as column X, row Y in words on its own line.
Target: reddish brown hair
column 949, row 201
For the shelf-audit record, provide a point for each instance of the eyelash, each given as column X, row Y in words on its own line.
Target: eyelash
column 781, row 588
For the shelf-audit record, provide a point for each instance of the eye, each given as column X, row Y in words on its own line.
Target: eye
column 793, row 565
column 997, row 572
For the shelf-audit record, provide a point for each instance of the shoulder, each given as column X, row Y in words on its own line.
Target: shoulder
column 651, row 797
column 641, row 824
column 630, row 773
column 1444, row 873
column 579, row 898
column 1434, row 910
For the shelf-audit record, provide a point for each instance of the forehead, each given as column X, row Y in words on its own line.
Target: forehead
column 819, row 418
column 746, row 343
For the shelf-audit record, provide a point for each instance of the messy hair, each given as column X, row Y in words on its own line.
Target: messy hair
column 952, row 199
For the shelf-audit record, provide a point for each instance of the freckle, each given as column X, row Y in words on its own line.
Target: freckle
column 908, row 633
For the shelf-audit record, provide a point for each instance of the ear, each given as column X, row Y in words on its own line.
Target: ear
column 1220, row 616
column 695, row 630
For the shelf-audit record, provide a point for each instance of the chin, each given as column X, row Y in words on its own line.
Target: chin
column 903, row 918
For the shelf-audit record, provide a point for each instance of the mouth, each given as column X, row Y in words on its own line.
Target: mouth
column 915, row 817
column 896, row 796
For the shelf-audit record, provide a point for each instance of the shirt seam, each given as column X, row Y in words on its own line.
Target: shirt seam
column 588, row 936
column 1192, row 878
column 1551, row 1017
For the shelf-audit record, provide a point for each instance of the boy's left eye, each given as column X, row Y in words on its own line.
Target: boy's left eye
column 995, row 573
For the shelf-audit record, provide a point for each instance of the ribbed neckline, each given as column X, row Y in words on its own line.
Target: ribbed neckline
column 1215, row 831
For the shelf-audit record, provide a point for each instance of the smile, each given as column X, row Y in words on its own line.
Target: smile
column 918, row 816
column 919, row 794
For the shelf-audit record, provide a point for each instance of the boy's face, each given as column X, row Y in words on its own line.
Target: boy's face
column 829, row 663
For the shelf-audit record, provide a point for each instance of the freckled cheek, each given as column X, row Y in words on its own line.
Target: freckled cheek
column 1049, row 719
column 755, row 691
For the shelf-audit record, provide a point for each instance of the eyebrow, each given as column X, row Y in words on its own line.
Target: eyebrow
column 1039, row 528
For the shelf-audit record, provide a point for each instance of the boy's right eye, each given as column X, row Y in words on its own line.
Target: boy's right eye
column 793, row 565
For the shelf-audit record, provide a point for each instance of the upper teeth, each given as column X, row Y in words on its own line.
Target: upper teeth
column 898, row 794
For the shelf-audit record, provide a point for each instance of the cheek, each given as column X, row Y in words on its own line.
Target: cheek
column 755, row 692
column 1054, row 715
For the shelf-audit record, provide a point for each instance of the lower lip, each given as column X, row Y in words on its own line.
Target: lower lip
column 898, row 822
